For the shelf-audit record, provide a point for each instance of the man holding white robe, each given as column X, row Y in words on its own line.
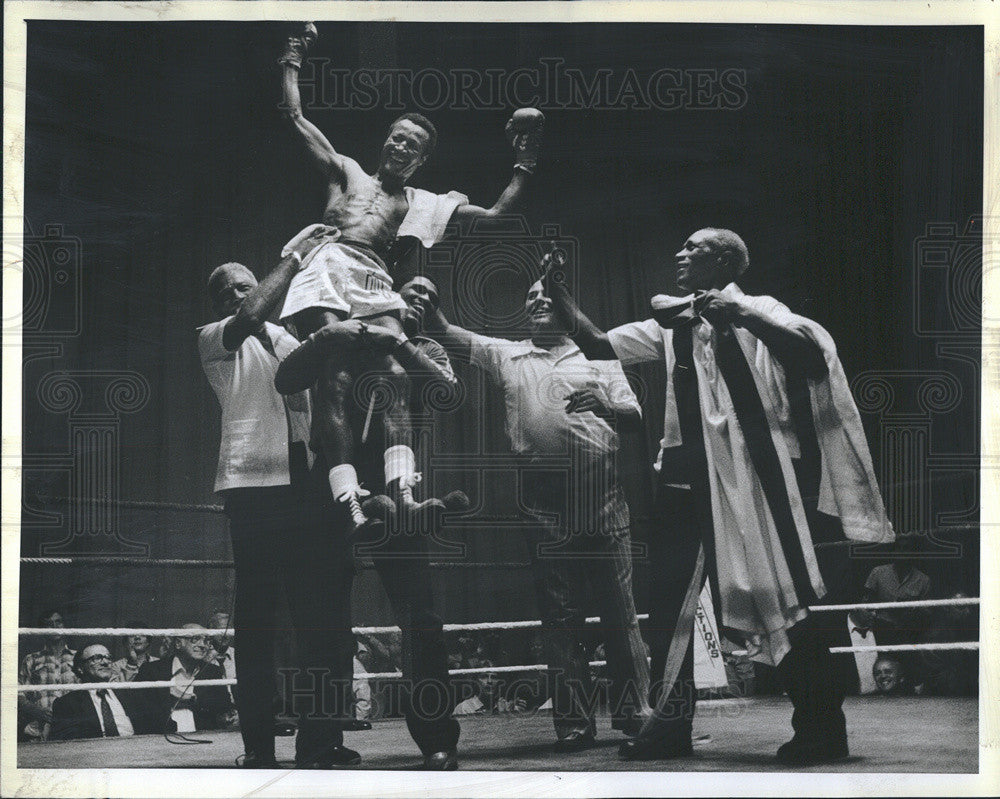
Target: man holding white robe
column 750, row 386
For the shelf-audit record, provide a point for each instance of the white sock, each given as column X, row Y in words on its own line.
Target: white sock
column 401, row 464
column 343, row 481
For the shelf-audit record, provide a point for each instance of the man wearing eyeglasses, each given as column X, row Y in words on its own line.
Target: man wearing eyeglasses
column 184, row 707
column 97, row 712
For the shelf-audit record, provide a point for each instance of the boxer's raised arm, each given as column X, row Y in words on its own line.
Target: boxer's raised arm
column 524, row 132
column 323, row 154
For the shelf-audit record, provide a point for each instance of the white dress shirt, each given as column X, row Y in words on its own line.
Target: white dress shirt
column 122, row 720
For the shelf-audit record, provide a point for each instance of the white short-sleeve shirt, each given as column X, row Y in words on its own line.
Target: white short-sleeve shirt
column 257, row 422
column 536, row 381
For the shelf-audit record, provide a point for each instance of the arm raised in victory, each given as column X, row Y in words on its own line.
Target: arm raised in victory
column 524, row 132
column 326, row 158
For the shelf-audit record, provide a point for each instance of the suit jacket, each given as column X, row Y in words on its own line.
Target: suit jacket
column 74, row 715
column 210, row 701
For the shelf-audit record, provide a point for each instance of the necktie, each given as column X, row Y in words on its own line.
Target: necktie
column 110, row 728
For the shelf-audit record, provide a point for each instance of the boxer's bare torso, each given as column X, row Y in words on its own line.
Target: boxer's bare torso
column 364, row 209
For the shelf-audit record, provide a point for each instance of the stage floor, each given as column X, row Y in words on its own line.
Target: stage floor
column 905, row 734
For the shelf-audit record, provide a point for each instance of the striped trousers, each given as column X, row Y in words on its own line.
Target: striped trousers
column 579, row 569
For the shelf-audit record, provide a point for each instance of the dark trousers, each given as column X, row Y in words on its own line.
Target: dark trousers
column 808, row 670
column 281, row 544
column 591, row 569
column 403, row 566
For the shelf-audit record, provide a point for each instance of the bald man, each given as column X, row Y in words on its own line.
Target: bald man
column 751, row 390
column 278, row 513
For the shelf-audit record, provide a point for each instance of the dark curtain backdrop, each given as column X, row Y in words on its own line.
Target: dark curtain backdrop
column 160, row 150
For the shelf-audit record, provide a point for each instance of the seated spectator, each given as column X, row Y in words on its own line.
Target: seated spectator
column 138, row 653
column 165, row 648
column 182, row 708
column 53, row 664
column 890, row 677
column 479, row 694
column 97, row 713
column 222, row 652
column 362, row 692
column 899, row 581
column 951, row 672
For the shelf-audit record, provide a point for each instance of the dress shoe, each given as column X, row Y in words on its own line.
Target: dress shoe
column 334, row 757
column 798, row 752
column 653, row 749
column 575, row 741
column 629, row 726
column 284, row 729
column 441, row 761
column 357, row 725
column 253, row 760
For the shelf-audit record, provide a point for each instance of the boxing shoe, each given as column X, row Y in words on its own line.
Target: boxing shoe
column 369, row 530
column 423, row 518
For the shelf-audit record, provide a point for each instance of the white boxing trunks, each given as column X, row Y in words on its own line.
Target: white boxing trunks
column 347, row 278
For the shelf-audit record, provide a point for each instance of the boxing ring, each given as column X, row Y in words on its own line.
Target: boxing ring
column 917, row 734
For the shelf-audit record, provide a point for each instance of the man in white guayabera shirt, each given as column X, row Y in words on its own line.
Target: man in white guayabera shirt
column 559, row 405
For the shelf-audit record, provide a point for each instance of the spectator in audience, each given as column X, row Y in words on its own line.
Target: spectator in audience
column 953, row 672
column 479, row 694
column 164, row 648
column 222, row 652
column 97, row 712
column 890, row 676
column 138, row 653
column 52, row 664
column 183, row 708
column 362, row 693
column 899, row 581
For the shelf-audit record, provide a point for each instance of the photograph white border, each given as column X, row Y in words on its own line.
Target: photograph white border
column 233, row 782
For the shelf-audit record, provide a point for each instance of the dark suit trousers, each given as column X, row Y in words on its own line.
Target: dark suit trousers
column 403, row 566
column 808, row 671
column 283, row 542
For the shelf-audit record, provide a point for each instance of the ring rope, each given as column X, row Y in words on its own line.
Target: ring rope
column 906, row 647
column 382, row 675
column 917, row 603
column 492, row 625
column 139, row 504
column 363, row 675
column 123, row 560
column 184, row 632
